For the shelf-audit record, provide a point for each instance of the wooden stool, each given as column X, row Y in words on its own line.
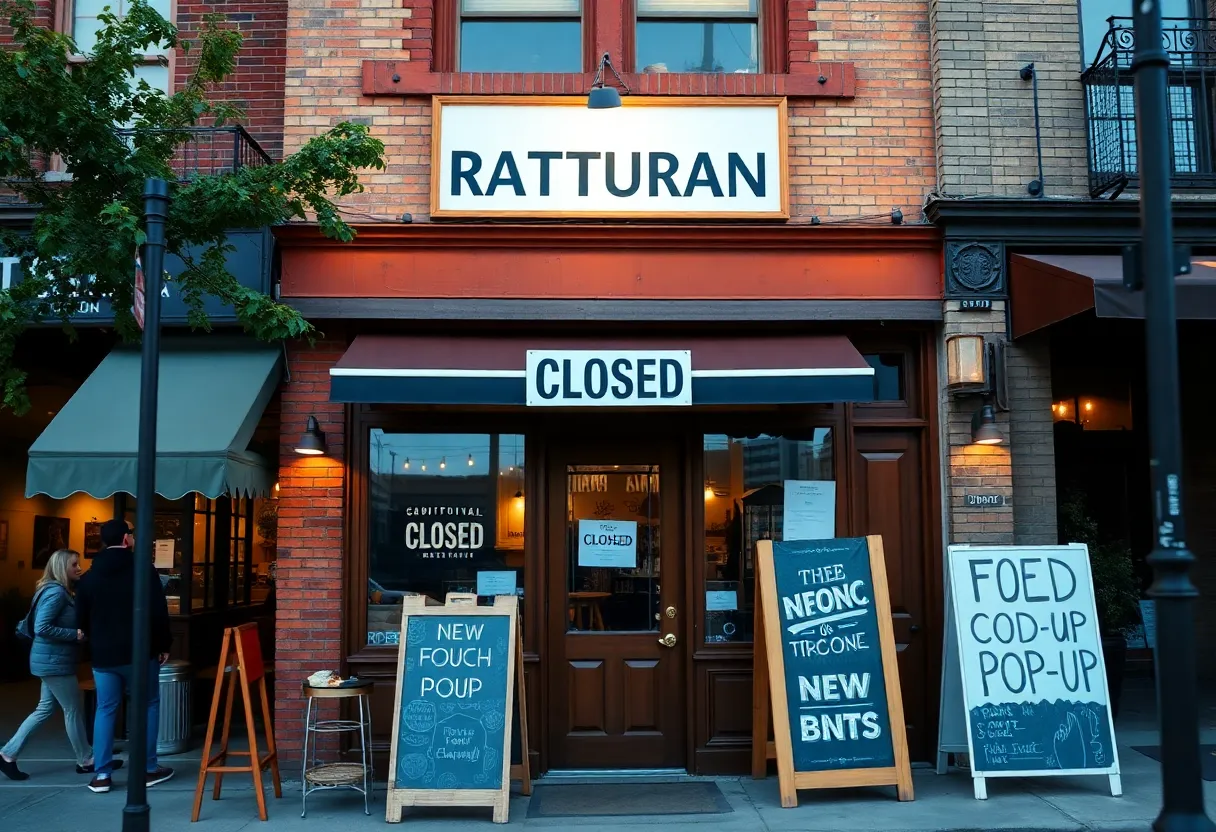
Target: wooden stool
column 248, row 668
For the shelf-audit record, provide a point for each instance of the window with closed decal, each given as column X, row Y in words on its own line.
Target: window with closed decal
column 445, row 514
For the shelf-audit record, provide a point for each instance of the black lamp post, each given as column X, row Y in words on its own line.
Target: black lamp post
column 1177, row 701
column 136, row 815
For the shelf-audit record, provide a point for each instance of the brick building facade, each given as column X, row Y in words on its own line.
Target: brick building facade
column 861, row 159
column 1036, row 168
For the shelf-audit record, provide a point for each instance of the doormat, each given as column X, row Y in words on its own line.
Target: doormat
column 627, row 800
column 1207, row 758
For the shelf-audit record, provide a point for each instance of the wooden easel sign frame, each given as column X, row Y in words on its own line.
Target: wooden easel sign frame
column 817, row 615
column 241, row 662
column 1022, row 625
column 459, row 680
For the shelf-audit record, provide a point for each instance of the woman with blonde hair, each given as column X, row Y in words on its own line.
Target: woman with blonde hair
column 53, row 658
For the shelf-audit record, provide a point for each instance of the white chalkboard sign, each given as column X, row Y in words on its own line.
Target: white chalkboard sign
column 1024, row 627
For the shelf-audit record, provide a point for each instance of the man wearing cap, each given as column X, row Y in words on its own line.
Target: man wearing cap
column 105, row 602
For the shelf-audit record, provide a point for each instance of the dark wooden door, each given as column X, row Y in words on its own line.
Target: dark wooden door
column 616, row 633
column 889, row 500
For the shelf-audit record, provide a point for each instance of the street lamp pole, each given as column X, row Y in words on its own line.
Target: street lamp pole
column 1177, row 697
column 136, row 815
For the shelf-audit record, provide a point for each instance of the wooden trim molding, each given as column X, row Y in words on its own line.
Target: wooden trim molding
column 694, row 237
column 823, row 79
column 444, row 35
column 774, row 33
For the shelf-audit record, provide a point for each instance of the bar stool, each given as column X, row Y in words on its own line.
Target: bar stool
column 321, row 776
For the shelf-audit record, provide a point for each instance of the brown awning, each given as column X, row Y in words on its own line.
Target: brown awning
column 1047, row 289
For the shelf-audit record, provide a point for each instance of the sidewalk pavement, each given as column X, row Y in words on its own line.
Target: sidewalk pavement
column 55, row 799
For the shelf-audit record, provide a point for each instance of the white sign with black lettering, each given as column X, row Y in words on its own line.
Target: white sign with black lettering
column 609, row 378
column 529, row 156
column 611, row 543
column 1025, row 627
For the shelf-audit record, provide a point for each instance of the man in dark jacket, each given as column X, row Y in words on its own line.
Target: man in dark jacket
column 105, row 601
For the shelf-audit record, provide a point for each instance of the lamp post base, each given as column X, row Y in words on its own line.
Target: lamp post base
column 137, row 818
column 1183, row 822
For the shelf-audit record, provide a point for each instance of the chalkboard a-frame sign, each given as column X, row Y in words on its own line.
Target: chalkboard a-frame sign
column 825, row 662
column 460, row 695
column 1023, row 672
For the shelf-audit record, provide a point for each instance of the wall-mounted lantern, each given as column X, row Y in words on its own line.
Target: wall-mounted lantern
column 976, row 368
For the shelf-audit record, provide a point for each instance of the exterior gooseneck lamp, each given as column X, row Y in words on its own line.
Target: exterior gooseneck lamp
column 602, row 97
column 983, row 426
column 312, row 443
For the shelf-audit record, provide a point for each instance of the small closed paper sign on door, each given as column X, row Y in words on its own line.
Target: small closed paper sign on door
column 611, row 543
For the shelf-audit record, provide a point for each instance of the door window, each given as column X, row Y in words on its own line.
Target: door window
column 613, row 551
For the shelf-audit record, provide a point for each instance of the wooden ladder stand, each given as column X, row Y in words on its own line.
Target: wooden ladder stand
column 247, row 665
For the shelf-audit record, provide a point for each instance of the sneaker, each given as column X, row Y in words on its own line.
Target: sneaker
column 115, row 765
column 10, row 770
column 99, row 785
column 159, row 776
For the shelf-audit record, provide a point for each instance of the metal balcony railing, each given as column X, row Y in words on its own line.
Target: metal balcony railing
column 206, row 150
column 1110, row 114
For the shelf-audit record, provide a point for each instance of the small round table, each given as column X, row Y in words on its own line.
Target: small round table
column 318, row 776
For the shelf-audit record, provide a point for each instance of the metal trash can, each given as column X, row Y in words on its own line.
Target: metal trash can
column 175, row 714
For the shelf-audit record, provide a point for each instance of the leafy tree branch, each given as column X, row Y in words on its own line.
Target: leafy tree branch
column 112, row 131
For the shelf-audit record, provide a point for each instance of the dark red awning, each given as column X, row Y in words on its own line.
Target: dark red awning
column 1047, row 289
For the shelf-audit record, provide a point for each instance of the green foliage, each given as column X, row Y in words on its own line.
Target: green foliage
column 91, row 223
column 1116, row 589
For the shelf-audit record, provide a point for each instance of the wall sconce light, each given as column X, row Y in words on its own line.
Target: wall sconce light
column 312, row 443
column 984, row 430
column 519, row 495
column 965, row 362
column 709, row 491
column 601, row 97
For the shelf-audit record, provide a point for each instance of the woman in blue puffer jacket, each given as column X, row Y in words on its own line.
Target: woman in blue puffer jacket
column 53, row 658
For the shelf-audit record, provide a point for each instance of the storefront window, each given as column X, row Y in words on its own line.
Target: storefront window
column 446, row 514
column 750, row 482
column 215, row 564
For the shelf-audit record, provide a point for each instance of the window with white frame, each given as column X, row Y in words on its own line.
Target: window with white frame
column 698, row 36
column 86, row 25
column 521, row 36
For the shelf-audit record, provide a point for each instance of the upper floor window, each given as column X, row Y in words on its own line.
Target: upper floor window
column 85, row 27
column 521, row 36
column 698, row 36
column 1095, row 21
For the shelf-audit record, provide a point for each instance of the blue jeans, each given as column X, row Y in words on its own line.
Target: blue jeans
column 112, row 683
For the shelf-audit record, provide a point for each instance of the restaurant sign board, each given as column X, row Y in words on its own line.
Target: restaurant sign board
column 551, row 156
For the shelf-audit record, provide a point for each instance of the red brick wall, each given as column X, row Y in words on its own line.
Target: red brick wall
column 309, row 572
column 850, row 158
column 257, row 85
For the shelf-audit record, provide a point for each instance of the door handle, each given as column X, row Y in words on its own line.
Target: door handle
column 671, row 612
column 668, row 640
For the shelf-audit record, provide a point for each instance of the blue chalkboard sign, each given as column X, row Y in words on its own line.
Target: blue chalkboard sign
column 834, row 684
column 453, row 702
column 829, row 654
column 456, row 723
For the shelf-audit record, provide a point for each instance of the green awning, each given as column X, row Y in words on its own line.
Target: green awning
column 212, row 394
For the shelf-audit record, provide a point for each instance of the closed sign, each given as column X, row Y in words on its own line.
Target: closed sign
column 624, row 378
